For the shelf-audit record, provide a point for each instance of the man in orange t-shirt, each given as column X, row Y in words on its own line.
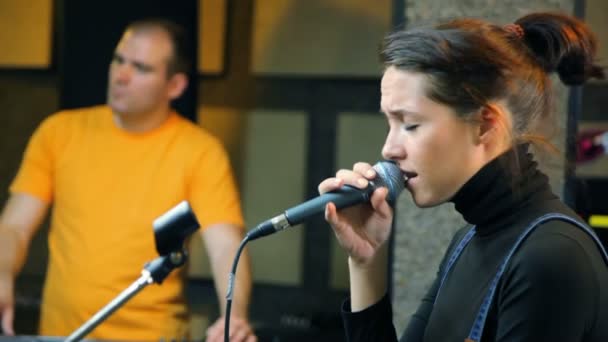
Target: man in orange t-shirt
column 108, row 172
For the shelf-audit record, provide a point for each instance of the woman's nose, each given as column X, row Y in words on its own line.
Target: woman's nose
column 393, row 147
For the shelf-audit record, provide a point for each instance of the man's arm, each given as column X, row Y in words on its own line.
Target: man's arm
column 222, row 242
column 19, row 221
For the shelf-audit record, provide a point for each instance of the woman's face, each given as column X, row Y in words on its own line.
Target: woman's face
column 437, row 150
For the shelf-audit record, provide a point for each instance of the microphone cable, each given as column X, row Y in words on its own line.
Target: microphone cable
column 229, row 291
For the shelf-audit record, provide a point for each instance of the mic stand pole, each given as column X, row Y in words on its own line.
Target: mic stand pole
column 154, row 272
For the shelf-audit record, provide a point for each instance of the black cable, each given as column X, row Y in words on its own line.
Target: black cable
column 230, row 286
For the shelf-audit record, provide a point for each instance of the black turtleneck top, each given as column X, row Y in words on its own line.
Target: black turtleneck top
column 555, row 287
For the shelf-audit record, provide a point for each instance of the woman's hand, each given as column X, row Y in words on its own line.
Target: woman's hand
column 363, row 229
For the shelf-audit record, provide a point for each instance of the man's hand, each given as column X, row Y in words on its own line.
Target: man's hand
column 7, row 304
column 19, row 221
column 240, row 331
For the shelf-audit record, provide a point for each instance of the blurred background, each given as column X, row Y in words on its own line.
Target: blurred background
column 292, row 89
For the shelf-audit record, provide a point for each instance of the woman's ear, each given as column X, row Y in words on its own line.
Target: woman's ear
column 493, row 123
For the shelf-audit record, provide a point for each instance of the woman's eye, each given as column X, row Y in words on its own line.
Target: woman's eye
column 410, row 127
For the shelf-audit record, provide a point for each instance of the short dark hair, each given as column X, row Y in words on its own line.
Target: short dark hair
column 470, row 62
column 180, row 61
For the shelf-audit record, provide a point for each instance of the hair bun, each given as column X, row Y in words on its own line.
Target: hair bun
column 562, row 44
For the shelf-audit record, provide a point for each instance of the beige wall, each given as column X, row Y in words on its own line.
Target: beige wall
column 596, row 15
column 25, row 33
column 318, row 37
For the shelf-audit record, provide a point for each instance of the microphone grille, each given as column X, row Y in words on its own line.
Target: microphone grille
column 390, row 176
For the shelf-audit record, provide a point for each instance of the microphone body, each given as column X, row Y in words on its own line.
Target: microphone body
column 346, row 196
column 173, row 227
column 388, row 175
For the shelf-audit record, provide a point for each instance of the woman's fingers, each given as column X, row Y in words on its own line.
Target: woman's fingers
column 364, row 169
column 330, row 212
column 352, row 178
column 330, row 184
column 332, row 217
column 358, row 177
column 379, row 203
column 343, row 230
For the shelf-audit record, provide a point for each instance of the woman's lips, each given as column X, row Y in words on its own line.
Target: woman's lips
column 408, row 175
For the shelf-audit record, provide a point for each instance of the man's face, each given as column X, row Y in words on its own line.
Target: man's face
column 138, row 82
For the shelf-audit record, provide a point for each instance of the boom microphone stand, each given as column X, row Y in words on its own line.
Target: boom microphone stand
column 170, row 231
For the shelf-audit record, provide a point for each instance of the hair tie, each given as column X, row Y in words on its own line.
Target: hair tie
column 515, row 29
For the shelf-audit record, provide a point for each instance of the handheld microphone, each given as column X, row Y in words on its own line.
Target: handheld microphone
column 388, row 175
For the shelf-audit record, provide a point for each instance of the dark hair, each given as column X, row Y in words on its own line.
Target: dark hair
column 470, row 62
column 180, row 61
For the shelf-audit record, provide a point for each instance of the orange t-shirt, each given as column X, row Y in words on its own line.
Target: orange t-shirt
column 107, row 186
